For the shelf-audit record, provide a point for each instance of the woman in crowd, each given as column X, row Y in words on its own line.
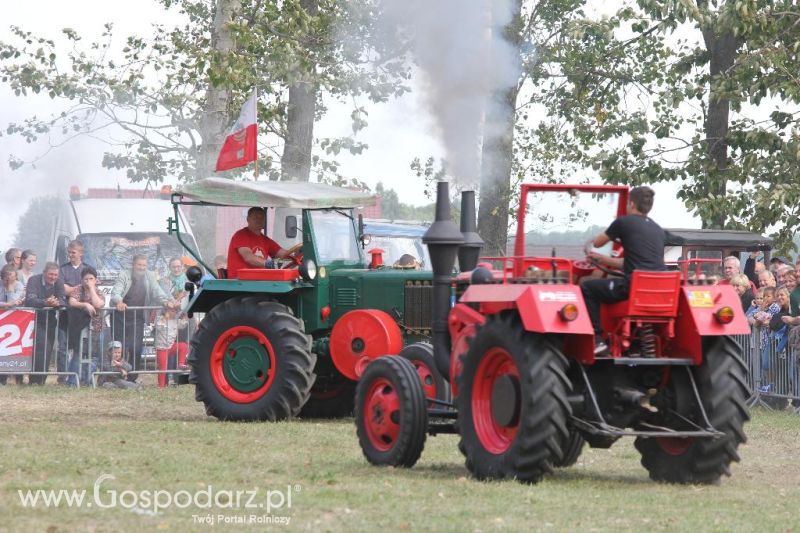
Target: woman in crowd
column 175, row 282
column 741, row 284
column 14, row 257
column 12, row 292
column 28, row 260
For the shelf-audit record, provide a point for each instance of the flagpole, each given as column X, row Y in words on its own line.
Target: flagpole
column 255, row 89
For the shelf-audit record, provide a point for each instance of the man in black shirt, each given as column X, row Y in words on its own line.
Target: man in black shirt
column 643, row 245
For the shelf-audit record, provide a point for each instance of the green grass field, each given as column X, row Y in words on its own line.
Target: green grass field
column 55, row 438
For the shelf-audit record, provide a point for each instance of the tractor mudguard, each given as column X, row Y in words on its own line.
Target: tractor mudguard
column 697, row 308
column 215, row 291
column 539, row 306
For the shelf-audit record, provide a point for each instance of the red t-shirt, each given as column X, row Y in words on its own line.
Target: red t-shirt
column 260, row 245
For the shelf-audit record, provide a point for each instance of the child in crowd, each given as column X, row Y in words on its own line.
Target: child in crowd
column 168, row 345
column 761, row 319
column 755, row 306
column 116, row 363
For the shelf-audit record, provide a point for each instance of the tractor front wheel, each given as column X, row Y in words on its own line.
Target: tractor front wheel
column 572, row 450
column 721, row 383
column 250, row 359
column 391, row 416
column 512, row 403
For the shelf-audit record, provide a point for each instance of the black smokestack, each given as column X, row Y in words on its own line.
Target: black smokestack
column 443, row 239
column 471, row 249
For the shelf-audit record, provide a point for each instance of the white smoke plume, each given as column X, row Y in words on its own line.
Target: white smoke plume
column 466, row 64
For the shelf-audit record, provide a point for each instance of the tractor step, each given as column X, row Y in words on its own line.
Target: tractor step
column 647, row 361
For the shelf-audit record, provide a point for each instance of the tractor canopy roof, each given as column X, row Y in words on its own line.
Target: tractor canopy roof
column 741, row 240
column 291, row 194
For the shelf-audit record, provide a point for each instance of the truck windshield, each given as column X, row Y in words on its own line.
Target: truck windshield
column 110, row 253
column 566, row 221
column 334, row 236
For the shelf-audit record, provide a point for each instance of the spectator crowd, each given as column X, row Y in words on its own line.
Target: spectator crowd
column 770, row 298
column 74, row 324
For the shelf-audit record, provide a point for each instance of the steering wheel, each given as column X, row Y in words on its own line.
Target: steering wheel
column 590, row 264
column 294, row 258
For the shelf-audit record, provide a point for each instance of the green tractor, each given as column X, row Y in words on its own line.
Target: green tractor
column 293, row 340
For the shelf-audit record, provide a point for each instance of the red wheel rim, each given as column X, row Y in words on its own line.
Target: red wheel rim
column 673, row 445
column 223, row 353
column 427, row 378
column 495, row 364
column 382, row 414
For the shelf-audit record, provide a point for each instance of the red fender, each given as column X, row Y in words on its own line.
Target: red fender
column 462, row 322
column 697, row 307
column 539, row 306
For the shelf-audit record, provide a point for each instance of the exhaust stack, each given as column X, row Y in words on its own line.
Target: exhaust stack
column 469, row 252
column 443, row 240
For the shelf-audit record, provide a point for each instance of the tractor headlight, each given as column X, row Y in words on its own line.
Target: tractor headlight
column 308, row 270
column 194, row 274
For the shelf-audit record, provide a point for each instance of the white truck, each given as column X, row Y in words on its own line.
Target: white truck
column 116, row 224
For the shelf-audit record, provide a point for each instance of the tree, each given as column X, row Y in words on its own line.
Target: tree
column 36, row 225
column 631, row 97
column 170, row 97
column 393, row 209
column 497, row 154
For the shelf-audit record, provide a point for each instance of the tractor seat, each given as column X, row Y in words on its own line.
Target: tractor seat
column 652, row 294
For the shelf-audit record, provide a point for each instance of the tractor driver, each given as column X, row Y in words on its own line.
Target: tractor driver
column 643, row 243
column 250, row 248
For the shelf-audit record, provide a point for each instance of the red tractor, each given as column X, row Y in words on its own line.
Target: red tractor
column 516, row 344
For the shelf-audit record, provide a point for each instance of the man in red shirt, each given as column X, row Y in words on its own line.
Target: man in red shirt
column 250, row 248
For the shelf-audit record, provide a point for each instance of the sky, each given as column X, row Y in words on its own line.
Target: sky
column 398, row 131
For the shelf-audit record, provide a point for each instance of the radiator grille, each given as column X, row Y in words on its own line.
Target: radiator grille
column 418, row 305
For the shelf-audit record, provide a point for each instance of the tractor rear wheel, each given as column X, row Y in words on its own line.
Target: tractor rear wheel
column 391, row 415
column 250, row 359
column 421, row 356
column 512, row 403
column 722, row 385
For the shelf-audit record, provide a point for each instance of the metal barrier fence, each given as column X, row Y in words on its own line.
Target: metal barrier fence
column 773, row 375
column 74, row 346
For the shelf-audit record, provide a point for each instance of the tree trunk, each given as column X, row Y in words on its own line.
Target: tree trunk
column 215, row 118
column 213, row 126
column 722, row 49
column 296, row 158
column 497, row 157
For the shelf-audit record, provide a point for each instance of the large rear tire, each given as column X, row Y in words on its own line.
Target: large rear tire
column 723, row 389
column 391, row 416
column 250, row 359
column 512, row 402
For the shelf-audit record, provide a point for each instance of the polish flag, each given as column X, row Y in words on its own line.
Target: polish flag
column 240, row 144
